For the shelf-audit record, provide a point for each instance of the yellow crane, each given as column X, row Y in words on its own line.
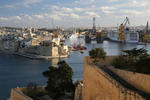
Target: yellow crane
column 55, row 33
column 122, row 26
column 146, row 33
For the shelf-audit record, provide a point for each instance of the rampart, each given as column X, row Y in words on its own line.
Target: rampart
column 100, row 83
column 140, row 81
column 17, row 94
column 78, row 92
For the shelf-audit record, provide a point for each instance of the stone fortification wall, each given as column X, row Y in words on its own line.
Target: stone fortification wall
column 16, row 94
column 38, row 50
column 11, row 46
column 78, row 92
column 98, row 85
column 140, row 81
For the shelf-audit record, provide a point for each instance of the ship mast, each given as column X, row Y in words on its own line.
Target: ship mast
column 146, row 33
column 94, row 26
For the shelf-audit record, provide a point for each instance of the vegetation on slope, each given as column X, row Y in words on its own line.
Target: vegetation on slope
column 136, row 60
column 97, row 54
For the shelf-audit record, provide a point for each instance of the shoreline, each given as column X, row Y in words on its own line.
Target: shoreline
column 32, row 56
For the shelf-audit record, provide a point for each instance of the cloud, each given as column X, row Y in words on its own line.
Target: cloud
column 54, row 7
column 133, row 12
column 74, row 15
column 78, row 9
column 3, row 19
column 53, row 16
column 113, row 0
column 64, row 9
column 133, row 3
column 9, row 6
column 84, row 2
column 26, row 16
column 16, row 17
column 27, row 3
column 107, row 9
column 38, row 16
column 81, row 11
column 92, row 0
column 92, row 14
column 10, row 18
column 61, row 9
column 141, row 3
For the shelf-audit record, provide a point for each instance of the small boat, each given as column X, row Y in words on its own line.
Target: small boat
column 141, row 43
column 79, row 47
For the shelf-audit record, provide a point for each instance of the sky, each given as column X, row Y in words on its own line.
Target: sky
column 72, row 13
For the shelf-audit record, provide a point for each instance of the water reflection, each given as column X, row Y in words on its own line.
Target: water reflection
column 55, row 61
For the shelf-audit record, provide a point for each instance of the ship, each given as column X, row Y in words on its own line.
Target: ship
column 130, row 36
column 79, row 47
column 124, row 34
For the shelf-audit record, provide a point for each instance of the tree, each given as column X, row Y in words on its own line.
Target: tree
column 59, row 80
column 97, row 54
column 136, row 60
column 136, row 54
column 31, row 90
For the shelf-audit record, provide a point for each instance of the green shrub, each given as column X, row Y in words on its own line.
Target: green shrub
column 143, row 66
column 97, row 54
column 135, row 60
column 120, row 62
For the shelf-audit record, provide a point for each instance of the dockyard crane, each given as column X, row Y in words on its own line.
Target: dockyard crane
column 146, row 33
column 55, row 33
column 126, row 21
column 122, row 29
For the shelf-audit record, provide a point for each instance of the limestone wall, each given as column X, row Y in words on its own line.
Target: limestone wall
column 10, row 46
column 78, row 92
column 38, row 50
column 16, row 94
column 140, row 81
column 55, row 51
column 98, row 85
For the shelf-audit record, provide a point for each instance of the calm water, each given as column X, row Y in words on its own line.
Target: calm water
column 19, row 71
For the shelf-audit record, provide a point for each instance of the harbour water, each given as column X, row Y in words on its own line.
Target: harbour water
column 16, row 71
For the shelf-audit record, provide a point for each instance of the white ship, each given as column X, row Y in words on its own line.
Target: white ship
column 124, row 34
column 130, row 36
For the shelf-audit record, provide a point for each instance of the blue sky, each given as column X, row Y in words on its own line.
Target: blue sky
column 72, row 13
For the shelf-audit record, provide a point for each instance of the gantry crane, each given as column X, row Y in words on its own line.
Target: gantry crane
column 122, row 26
column 146, row 33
